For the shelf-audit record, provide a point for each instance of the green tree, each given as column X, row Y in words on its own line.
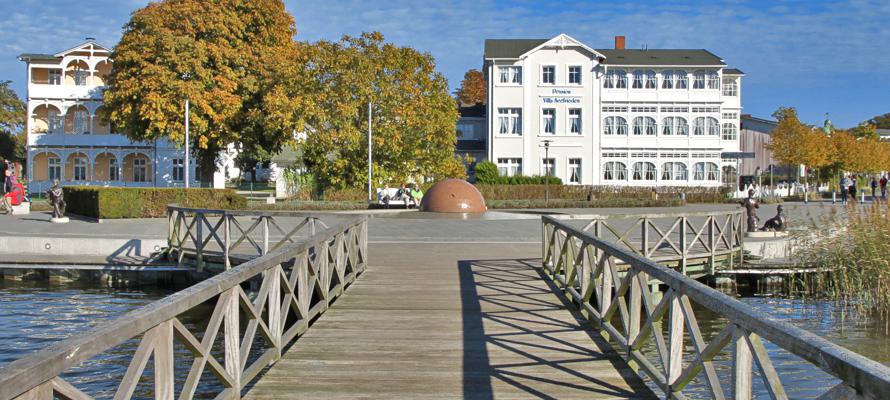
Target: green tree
column 880, row 121
column 472, row 89
column 218, row 55
column 12, row 124
column 326, row 95
column 865, row 130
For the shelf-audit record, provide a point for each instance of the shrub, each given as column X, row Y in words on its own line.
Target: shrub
column 487, row 173
column 591, row 193
column 598, row 203
column 117, row 202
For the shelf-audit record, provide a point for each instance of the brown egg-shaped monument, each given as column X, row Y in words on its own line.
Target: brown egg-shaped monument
column 453, row 196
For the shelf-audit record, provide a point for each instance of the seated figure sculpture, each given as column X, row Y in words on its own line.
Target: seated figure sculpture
column 777, row 223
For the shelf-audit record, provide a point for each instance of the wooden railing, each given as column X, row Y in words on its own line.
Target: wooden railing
column 205, row 233
column 675, row 238
column 620, row 303
column 297, row 282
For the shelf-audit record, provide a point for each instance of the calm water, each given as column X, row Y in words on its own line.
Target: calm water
column 33, row 315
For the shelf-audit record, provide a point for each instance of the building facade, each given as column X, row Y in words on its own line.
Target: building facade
column 611, row 116
column 69, row 141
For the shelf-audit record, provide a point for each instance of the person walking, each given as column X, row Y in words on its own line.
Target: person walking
column 853, row 189
column 874, row 189
column 845, row 185
column 883, row 183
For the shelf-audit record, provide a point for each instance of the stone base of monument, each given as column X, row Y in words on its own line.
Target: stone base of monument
column 766, row 234
column 62, row 220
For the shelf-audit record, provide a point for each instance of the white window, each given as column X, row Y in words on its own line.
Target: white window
column 80, row 169
column 548, row 74
column 55, row 168
column 548, row 167
column 510, row 75
column 644, row 126
column 667, row 79
column 639, row 78
column 55, row 77
column 682, row 79
column 705, row 126
column 548, row 121
column 575, row 121
column 178, row 170
column 643, row 171
column 713, row 80
column 615, row 126
column 699, row 80
column 730, row 88
column 80, row 77
column 730, row 132
column 510, row 166
column 112, row 169
column 730, row 115
column 674, row 126
column 651, row 80
column 575, row 170
column 81, row 122
column 614, row 171
column 140, row 170
column 510, row 121
column 705, row 171
column 673, row 171
column 56, row 123
column 615, row 79
column 575, row 75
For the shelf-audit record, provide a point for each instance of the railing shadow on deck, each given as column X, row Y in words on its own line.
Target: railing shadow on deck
column 245, row 333
column 617, row 290
column 499, row 291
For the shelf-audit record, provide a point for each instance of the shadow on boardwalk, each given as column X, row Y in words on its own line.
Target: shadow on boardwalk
column 531, row 336
column 453, row 321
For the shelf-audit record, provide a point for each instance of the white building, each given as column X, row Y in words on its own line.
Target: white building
column 611, row 116
column 67, row 139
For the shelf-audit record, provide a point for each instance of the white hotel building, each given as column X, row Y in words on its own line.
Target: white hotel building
column 67, row 139
column 611, row 117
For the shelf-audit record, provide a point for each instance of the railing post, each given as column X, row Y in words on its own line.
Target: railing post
column 634, row 306
column 645, row 237
column 227, row 240
column 731, row 234
column 163, row 359
column 740, row 235
column 232, row 341
column 274, row 307
column 170, row 231
column 683, row 245
column 675, row 338
column 199, row 246
column 741, row 365
column 711, row 245
column 265, row 234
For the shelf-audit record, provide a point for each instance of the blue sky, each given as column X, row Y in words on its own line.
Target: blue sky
column 818, row 56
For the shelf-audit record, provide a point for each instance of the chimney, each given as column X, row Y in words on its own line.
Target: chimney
column 89, row 39
column 619, row 42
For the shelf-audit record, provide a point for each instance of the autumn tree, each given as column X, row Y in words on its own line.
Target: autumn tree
column 12, row 123
column 795, row 143
column 880, row 121
column 413, row 115
column 472, row 89
column 218, row 55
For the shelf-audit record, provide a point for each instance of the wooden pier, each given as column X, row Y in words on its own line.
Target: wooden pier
column 326, row 316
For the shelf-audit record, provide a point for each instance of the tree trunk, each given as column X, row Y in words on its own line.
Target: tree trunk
column 206, row 166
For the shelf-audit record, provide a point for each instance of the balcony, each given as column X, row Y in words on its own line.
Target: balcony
column 61, row 139
column 40, row 90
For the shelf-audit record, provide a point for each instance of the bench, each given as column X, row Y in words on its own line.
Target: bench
column 382, row 193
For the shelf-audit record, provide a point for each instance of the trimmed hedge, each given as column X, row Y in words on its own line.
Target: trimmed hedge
column 487, row 173
column 599, row 203
column 119, row 202
column 599, row 193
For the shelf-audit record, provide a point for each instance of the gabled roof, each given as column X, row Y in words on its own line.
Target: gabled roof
column 81, row 46
column 510, row 48
column 679, row 57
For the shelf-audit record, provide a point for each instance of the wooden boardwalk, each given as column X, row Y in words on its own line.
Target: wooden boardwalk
column 450, row 321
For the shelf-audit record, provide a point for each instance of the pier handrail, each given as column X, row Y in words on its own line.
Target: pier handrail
column 206, row 232
column 297, row 282
column 672, row 236
column 623, row 307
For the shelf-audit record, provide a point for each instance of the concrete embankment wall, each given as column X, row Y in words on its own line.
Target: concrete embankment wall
column 75, row 249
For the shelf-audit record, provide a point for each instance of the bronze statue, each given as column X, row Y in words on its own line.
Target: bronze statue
column 751, row 205
column 57, row 199
column 777, row 223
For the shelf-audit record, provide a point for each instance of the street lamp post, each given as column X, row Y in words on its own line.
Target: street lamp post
column 370, row 189
column 547, row 172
